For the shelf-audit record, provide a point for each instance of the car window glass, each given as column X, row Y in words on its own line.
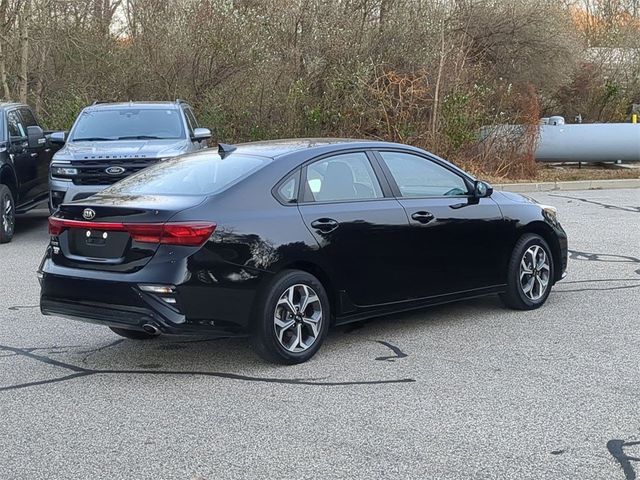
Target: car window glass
column 203, row 174
column 191, row 120
column 343, row 177
column 14, row 122
column 27, row 117
column 128, row 123
column 287, row 191
column 419, row 177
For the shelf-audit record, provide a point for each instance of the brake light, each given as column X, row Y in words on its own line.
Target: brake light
column 191, row 234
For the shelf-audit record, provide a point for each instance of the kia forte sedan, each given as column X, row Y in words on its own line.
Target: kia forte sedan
column 280, row 240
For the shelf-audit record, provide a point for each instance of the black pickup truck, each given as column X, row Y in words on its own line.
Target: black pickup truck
column 25, row 154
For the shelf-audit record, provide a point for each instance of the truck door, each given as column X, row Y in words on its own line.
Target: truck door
column 41, row 153
column 25, row 164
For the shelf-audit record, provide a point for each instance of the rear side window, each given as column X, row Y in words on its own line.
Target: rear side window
column 287, row 192
column 344, row 177
column 201, row 174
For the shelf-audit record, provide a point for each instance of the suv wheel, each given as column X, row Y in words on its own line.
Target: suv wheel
column 530, row 273
column 7, row 214
column 293, row 318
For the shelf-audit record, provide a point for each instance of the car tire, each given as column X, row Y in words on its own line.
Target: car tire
column 133, row 334
column 529, row 283
column 292, row 318
column 7, row 214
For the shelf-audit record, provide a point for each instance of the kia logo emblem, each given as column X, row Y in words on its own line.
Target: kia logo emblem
column 115, row 170
column 88, row 214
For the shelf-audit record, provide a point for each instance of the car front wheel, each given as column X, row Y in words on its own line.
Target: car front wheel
column 7, row 214
column 292, row 318
column 530, row 273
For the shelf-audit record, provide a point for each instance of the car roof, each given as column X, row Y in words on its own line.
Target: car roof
column 6, row 105
column 115, row 105
column 279, row 148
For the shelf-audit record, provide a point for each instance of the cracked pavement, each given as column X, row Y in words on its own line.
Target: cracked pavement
column 469, row 390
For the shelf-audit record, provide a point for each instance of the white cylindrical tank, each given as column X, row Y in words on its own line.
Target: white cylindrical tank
column 589, row 142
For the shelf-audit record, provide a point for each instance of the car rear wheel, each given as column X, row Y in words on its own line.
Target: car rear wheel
column 530, row 274
column 7, row 214
column 292, row 319
column 133, row 334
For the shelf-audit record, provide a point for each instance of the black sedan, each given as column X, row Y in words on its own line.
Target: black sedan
column 279, row 240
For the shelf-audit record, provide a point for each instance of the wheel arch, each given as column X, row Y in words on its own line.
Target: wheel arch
column 546, row 232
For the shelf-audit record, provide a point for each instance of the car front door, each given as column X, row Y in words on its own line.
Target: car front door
column 457, row 242
column 357, row 224
column 25, row 164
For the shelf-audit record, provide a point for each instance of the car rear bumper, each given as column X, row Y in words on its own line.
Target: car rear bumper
column 121, row 305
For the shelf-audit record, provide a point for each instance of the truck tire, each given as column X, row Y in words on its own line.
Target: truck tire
column 7, row 214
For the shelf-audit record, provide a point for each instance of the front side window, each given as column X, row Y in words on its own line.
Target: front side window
column 191, row 120
column 419, row 177
column 129, row 124
column 342, row 177
column 16, row 127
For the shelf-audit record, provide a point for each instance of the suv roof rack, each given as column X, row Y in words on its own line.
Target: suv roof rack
column 96, row 102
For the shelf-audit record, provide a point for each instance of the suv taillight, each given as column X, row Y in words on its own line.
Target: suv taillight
column 192, row 234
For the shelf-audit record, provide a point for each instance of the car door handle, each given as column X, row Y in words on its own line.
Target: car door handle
column 325, row 225
column 33, row 155
column 423, row 217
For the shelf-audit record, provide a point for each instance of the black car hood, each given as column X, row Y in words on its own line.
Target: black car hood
column 513, row 197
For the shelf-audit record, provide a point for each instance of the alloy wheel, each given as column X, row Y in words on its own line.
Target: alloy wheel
column 297, row 318
column 534, row 272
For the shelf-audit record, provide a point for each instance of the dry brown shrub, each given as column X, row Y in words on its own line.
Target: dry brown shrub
column 507, row 151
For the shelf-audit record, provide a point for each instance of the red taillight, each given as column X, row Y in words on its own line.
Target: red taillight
column 179, row 233
column 187, row 233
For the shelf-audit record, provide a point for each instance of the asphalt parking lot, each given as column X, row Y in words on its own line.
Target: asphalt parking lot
column 469, row 390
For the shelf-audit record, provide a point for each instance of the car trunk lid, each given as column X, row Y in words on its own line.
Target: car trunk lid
column 123, row 233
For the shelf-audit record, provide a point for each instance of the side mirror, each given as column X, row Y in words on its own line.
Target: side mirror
column 35, row 137
column 200, row 134
column 58, row 137
column 482, row 189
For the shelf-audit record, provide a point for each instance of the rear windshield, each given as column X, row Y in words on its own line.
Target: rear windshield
column 128, row 124
column 199, row 174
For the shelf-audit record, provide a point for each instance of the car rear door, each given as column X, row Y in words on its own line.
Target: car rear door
column 457, row 242
column 357, row 224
